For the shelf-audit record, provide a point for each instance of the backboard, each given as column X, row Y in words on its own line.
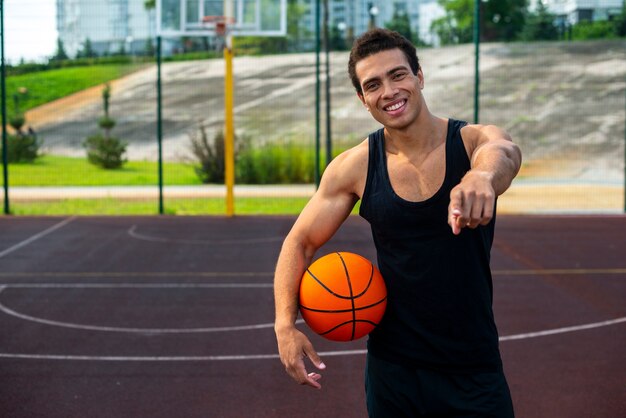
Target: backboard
column 198, row 17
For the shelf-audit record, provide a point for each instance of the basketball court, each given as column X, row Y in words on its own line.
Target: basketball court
column 172, row 316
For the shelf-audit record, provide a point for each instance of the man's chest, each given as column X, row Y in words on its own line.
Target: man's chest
column 418, row 179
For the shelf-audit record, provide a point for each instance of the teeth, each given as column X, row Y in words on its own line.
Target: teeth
column 396, row 106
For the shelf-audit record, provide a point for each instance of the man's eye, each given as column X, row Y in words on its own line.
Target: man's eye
column 399, row 76
column 371, row 86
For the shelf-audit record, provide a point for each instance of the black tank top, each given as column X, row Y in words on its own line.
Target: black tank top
column 439, row 311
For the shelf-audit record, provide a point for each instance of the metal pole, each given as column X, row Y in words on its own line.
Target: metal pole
column 329, row 143
column 159, row 124
column 317, row 93
column 5, row 161
column 476, row 58
column 229, row 125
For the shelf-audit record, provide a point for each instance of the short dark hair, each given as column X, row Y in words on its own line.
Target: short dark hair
column 377, row 40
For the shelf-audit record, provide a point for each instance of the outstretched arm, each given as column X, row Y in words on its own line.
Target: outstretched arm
column 495, row 161
column 317, row 223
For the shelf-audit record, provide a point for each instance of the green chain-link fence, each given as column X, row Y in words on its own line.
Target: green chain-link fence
column 563, row 101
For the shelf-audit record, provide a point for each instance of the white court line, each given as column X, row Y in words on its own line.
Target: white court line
column 36, row 236
column 25, row 317
column 134, row 234
column 563, row 330
column 136, row 285
column 170, row 358
column 275, row 356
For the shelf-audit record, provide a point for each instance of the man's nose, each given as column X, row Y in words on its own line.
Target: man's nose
column 389, row 90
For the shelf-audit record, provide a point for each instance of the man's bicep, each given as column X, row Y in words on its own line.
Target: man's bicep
column 322, row 217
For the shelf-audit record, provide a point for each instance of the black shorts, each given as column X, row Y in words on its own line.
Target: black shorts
column 396, row 391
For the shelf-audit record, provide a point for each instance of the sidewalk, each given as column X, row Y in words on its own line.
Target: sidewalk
column 152, row 192
column 524, row 196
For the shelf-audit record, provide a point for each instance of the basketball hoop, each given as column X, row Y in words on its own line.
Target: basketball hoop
column 219, row 24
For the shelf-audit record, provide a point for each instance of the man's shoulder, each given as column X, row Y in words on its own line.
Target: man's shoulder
column 349, row 169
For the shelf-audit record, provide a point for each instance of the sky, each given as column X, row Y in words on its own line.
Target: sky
column 30, row 30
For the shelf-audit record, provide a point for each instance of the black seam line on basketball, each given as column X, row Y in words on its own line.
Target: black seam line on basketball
column 345, row 268
column 341, row 296
column 326, row 287
column 353, row 324
column 343, row 310
column 369, row 283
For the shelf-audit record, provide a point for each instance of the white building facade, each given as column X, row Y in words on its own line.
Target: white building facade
column 574, row 11
column 110, row 25
column 353, row 17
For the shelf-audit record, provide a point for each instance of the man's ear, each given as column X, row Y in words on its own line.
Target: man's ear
column 361, row 98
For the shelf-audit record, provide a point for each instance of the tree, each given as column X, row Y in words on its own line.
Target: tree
column 295, row 32
column 620, row 22
column 540, row 25
column 87, row 50
column 60, row 53
column 400, row 23
column 456, row 26
column 104, row 150
column 501, row 20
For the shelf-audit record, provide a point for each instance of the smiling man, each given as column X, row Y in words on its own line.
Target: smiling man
column 428, row 187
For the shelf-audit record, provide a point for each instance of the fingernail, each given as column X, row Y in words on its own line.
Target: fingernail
column 322, row 365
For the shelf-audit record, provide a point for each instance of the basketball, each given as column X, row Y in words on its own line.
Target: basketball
column 342, row 296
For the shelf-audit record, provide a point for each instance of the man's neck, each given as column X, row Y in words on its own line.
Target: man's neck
column 426, row 133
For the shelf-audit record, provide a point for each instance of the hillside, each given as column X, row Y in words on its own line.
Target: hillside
column 564, row 103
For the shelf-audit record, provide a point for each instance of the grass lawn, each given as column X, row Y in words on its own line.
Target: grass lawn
column 51, row 170
column 213, row 206
column 46, row 86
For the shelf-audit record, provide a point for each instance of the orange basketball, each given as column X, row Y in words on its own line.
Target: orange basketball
column 342, row 296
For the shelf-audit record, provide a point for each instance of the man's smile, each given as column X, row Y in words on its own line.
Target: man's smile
column 395, row 106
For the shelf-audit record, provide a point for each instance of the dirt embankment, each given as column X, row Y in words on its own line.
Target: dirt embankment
column 564, row 103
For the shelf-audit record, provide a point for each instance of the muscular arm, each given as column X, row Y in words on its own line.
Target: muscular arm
column 317, row 223
column 495, row 161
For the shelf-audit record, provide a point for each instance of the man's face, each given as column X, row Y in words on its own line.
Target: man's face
column 391, row 92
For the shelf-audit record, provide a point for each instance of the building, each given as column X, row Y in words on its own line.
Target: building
column 125, row 25
column 429, row 11
column 574, row 11
column 110, row 25
column 353, row 17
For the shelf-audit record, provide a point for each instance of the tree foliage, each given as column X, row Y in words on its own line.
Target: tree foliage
column 87, row 50
column 456, row 26
column 540, row 25
column 400, row 23
column 501, row 20
column 60, row 53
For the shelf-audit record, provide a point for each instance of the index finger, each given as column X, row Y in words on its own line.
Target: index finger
column 455, row 211
column 301, row 375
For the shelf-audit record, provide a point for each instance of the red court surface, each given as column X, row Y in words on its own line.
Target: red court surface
column 172, row 317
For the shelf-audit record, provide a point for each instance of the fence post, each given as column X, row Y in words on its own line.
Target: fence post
column 5, row 162
column 476, row 59
column 317, row 94
column 159, row 124
column 329, row 143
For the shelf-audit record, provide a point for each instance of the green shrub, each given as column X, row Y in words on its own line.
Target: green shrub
column 594, row 30
column 276, row 164
column 17, row 122
column 209, row 155
column 22, row 148
column 106, row 123
column 105, row 152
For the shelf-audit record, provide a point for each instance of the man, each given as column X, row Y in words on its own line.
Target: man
column 428, row 187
